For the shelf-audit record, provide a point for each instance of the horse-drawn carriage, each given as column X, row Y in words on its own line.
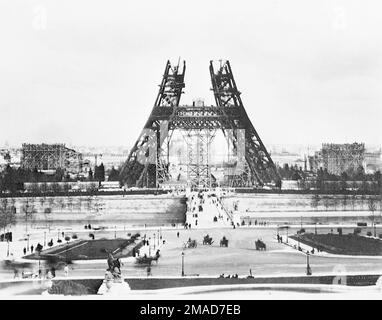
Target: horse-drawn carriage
column 207, row 240
column 147, row 259
column 260, row 245
column 190, row 244
column 224, row 242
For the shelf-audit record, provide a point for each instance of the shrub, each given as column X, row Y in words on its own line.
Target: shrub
column 59, row 240
column 67, row 238
column 369, row 234
column 380, row 236
column 357, row 230
column 74, row 236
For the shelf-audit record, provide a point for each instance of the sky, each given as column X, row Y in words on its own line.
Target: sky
column 87, row 72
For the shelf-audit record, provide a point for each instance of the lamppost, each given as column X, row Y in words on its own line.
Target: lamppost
column 39, row 264
column 154, row 241
column 115, row 232
column 44, row 238
column 28, row 242
column 308, row 269
column 182, row 263
column 7, row 247
column 67, row 239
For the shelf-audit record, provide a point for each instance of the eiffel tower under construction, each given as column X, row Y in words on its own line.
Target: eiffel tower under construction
column 148, row 162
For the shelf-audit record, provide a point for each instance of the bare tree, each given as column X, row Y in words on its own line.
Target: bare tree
column 7, row 214
column 326, row 203
column 372, row 207
column 344, row 202
column 315, row 201
column 28, row 210
column 48, row 217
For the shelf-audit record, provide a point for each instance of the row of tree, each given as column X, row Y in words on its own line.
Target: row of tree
column 13, row 180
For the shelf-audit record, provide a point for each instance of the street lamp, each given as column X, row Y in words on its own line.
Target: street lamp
column 182, row 263
column 44, row 238
column 67, row 239
column 39, row 264
column 28, row 241
column 308, row 269
column 7, row 247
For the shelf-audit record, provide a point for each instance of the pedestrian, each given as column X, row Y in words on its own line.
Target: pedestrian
column 148, row 270
column 25, row 251
column 177, row 234
column 66, row 270
column 16, row 273
column 32, row 248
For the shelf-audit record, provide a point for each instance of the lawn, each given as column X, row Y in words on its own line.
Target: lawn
column 349, row 244
column 87, row 250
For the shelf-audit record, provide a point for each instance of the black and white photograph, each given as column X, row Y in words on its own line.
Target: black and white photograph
column 207, row 150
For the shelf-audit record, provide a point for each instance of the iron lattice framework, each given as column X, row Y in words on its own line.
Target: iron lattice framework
column 198, row 155
column 143, row 169
column 50, row 157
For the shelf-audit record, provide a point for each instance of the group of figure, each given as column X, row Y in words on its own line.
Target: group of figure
column 235, row 276
column 187, row 225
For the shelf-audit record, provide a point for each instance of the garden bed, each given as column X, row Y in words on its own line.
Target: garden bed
column 349, row 244
column 87, row 250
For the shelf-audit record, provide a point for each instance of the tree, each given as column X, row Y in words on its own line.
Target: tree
column 326, row 203
column 344, row 202
column 360, row 173
column 372, row 207
column 99, row 173
column 378, row 179
column 344, row 178
column 315, row 201
column 28, row 210
column 113, row 175
column 48, row 217
column 9, row 179
column 7, row 214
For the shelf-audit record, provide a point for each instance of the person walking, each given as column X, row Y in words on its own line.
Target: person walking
column 25, row 251
column 177, row 234
column 32, row 248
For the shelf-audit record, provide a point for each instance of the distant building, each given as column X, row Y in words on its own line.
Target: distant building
column 50, row 157
column 339, row 158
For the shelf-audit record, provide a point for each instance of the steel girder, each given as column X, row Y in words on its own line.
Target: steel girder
column 228, row 114
column 145, row 165
column 227, row 97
